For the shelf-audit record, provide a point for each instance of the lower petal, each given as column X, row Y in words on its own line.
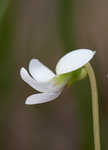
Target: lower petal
column 42, row 98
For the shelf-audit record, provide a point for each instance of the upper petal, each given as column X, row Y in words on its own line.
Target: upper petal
column 42, row 98
column 74, row 60
column 39, row 71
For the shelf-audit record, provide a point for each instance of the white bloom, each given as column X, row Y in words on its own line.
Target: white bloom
column 48, row 83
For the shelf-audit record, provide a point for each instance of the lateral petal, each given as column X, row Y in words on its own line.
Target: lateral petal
column 40, row 72
column 40, row 86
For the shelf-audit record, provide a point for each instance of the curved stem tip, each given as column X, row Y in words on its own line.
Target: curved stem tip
column 95, row 107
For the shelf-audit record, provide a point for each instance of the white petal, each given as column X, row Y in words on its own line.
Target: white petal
column 39, row 71
column 42, row 98
column 29, row 80
column 40, row 86
column 74, row 60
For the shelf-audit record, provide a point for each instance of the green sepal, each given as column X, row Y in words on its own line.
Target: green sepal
column 71, row 77
column 77, row 75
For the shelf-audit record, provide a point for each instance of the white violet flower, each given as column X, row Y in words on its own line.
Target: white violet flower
column 69, row 69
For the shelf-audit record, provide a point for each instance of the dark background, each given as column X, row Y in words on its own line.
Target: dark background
column 47, row 29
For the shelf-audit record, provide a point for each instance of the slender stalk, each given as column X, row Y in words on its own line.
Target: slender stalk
column 95, row 107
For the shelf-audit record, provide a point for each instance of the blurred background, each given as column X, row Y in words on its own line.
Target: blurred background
column 47, row 29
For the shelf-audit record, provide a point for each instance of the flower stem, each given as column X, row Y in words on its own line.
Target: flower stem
column 95, row 107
